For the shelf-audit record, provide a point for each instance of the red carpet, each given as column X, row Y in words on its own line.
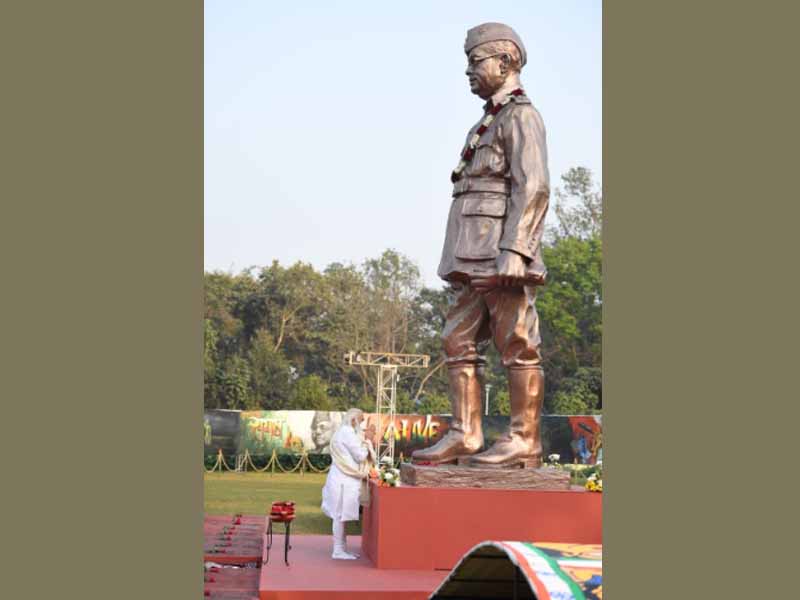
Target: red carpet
column 313, row 575
column 229, row 542
column 237, row 550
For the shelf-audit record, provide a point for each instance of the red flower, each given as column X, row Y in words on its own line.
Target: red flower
column 481, row 130
column 517, row 92
column 468, row 153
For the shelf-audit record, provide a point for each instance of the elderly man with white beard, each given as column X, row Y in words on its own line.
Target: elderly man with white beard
column 351, row 457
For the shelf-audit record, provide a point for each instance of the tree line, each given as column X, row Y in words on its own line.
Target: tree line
column 275, row 336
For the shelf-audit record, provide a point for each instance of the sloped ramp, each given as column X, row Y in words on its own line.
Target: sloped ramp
column 524, row 571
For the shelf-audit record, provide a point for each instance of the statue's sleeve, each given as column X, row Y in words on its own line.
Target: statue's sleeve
column 526, row 152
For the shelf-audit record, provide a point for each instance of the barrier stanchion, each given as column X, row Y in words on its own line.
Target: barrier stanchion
column 222, row 460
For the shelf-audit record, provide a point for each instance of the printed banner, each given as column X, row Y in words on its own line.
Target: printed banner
column 587, row 439
column 288, row 431
column 409, row 431
column 221, row 431
column 573, row 438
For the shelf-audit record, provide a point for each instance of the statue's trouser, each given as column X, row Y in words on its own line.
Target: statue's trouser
column 508, row 316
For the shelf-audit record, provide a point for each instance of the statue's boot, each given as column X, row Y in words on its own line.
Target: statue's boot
column 465, row 436
column 521, row 446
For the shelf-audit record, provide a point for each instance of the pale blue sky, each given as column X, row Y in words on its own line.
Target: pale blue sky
column 331, row 127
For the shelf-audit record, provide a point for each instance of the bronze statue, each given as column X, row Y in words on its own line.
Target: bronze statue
column 492, row 257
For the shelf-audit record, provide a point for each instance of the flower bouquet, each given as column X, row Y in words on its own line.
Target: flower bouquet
column 594, row 483
column 388, row 476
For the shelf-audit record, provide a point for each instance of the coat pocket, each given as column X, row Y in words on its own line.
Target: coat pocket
column 481, row 226
column 488, row 160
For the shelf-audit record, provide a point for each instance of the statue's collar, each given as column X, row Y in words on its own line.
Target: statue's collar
column 503, row 93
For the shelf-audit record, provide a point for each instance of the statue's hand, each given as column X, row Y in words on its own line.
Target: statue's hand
column 510, row 268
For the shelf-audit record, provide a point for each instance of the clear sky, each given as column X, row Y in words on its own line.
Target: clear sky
column 331, row 127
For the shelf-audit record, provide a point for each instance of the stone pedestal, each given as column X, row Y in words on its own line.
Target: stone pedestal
column 480, row 477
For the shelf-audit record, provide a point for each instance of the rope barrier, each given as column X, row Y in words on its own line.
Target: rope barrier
column 249, row 459
column 216, row 464
column 302, row 465
column 293, row 469
column 313, row 469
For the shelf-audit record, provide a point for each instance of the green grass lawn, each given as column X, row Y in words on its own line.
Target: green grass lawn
column 253, row 493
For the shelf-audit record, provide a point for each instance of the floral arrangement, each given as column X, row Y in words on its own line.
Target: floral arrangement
column 594, row 483
column 469, row 151
column 552, row 461
column 388, row 476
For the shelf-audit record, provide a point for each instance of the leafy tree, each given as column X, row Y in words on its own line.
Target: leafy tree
column 275, row 337
column 405, row 403
column 500, row 404
column 393, row 282
column 571, row 302
column 345, row 326
column 286, row 302
column 210, row 338
column 429, row 311
column 271, row 372
column 233, row 379
column 434, row 404
column 570, row 307
column 578, row 206
column 579, row 394
column 562, row 403
column 309, row 393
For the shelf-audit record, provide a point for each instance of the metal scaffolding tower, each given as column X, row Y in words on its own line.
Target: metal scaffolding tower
column 386, row 398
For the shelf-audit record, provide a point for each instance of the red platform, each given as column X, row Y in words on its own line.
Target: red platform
column 313, row 575
column 431, row 528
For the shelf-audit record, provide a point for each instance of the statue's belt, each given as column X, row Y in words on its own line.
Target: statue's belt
column 482, row 184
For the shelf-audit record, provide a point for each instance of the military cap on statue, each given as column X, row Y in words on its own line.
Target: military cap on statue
column 494, row 32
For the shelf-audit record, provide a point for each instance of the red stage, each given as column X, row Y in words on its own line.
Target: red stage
column 313, row 575
column 412, row 538
column 431, row 528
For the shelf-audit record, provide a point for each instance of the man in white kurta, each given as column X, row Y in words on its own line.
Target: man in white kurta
column 340, row 496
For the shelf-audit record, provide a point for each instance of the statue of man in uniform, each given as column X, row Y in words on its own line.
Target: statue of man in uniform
column 492, row 257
